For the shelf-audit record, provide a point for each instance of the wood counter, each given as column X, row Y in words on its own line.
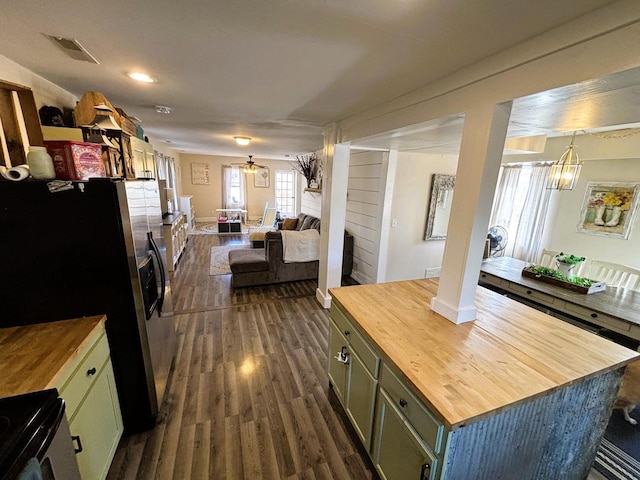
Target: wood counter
column 510, row 355
column 33, row 357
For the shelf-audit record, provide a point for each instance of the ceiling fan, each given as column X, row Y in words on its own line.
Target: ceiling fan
column 249, row 166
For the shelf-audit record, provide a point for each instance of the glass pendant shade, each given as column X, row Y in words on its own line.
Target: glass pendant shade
column 565, row 172
column 249, row 169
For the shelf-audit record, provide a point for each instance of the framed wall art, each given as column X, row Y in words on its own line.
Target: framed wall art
column 609, row 209
column 261, row 177
column 200, row 174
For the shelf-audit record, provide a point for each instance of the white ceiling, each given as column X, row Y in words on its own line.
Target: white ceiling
column 275, row 70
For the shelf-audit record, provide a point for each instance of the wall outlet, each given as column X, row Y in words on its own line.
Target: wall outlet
column 394, row 223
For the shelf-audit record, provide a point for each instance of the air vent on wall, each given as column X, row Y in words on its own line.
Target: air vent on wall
column 73, row 48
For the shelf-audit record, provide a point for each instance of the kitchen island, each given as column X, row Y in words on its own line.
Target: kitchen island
column 72, row 356
column 514, row 394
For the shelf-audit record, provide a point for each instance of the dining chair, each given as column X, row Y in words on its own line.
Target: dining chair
column 548, row 258
column 615, row 274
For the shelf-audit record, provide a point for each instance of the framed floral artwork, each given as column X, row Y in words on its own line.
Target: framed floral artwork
column 609, row 208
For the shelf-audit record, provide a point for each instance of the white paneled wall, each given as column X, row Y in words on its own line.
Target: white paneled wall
column 311, row 203
column 365, row 196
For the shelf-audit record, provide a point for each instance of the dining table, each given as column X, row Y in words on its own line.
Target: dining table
column 613, row 312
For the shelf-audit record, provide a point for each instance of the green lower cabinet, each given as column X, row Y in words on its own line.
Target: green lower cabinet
column 338, row 371
column 361, row 398
column 398, row 453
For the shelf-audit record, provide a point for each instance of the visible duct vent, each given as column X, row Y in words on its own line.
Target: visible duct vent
column 73, row 48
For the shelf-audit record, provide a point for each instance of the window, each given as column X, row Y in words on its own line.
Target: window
column 286, row 192
column 234, row 187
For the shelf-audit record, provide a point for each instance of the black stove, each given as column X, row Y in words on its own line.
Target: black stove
column 25, row 423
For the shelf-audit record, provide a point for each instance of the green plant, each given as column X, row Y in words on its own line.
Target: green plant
column 550, row 272
column 571, row 259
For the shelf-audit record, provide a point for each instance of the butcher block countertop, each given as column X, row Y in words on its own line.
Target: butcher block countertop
column 33, row 357
column 510, row 355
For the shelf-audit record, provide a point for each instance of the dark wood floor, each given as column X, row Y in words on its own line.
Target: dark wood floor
column 248, row 396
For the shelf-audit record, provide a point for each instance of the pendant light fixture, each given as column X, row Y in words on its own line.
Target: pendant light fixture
column 564, row 173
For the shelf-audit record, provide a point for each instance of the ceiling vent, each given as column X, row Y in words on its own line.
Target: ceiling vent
column 73, row 48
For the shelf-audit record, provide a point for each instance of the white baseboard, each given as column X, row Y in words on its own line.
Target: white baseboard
column 453, row 314
column 324, row 301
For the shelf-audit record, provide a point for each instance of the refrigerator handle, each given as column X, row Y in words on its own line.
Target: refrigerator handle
column 156, row 252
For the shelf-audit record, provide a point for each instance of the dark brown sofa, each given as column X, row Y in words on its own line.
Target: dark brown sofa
column 260, row 266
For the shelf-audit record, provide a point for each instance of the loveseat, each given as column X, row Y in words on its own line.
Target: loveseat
column 260, row 266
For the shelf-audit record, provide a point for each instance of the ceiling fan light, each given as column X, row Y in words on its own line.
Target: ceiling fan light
column 242, row 140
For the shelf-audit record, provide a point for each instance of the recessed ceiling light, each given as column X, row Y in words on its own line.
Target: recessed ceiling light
column 163, row 109
column 142, row 77
column 242, row 140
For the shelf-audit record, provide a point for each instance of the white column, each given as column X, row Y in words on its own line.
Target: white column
column 335, row 177
column 483, row 137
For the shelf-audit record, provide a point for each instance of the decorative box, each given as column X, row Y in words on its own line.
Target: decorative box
column 76, row 160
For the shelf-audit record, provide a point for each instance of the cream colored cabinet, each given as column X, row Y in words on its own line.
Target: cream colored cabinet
column 144, row 160
column 175, row 238
column 88, row 387
column 189, row 211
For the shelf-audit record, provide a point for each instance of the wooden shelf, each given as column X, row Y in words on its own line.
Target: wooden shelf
column 313, row 190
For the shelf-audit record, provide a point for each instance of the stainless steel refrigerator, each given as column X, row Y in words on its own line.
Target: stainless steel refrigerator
column 73, row 249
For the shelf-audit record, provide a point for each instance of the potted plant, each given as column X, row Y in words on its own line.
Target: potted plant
column 306, row 165
column 567, row 262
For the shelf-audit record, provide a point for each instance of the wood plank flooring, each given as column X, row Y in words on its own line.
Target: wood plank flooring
column 248, row 395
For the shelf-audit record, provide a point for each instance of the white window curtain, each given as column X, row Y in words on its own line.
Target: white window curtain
column 520, row 205
column 234, row 188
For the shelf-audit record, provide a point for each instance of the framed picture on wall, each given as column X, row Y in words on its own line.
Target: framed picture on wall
column 261, row 177
column 609, row 209
column 200, row 174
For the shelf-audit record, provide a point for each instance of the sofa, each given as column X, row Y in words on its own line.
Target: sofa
column 261, row 266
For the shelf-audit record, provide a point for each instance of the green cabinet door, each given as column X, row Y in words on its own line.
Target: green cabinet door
column 398, row 453
column 338, row 370
column 361, row 397
column 98, row 426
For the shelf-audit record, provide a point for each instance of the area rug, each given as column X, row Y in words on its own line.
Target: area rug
column 219, row 263
column 619, row 453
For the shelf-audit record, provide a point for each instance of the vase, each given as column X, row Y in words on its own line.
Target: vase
column 40, row 164
column 614, row 220
column 599, row 213
column 566, row 269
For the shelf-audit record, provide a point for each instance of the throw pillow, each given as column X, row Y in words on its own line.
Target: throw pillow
column 289, row 224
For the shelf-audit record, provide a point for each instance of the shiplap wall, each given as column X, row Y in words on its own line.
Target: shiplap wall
column 365, row 195
column 311, row 203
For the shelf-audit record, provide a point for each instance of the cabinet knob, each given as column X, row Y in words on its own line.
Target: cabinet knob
column 529, row 292
column 484, row 275
column 403, row 402
column 594, row 315
column 347, row 333
column 424, row 472
column 91, row 371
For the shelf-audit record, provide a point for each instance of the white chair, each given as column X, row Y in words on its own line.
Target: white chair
column 614, row 274
column 548, row 258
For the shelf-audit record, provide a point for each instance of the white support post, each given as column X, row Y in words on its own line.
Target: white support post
column 335, row 177
column 483, row 138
